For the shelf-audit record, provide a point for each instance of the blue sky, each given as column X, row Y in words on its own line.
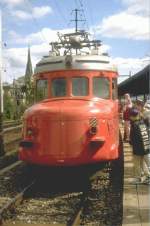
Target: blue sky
column 122, row 25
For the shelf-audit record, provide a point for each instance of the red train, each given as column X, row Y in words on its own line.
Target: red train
column 75, row 118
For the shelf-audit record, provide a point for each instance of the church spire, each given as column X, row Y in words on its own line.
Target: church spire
column 28, row 81
column 29, row 72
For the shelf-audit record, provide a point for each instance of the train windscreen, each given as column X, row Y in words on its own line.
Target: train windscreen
column 101, row 87
column 80, row 86
column 59, row 87
column 41, row 89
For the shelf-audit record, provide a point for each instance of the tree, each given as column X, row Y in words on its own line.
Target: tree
column 9, row 106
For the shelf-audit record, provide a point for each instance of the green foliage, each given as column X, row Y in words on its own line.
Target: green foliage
column 9, row 106
column 28, row 89
column 18, row 99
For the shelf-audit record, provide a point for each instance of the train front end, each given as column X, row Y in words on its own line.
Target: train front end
column 75, row 119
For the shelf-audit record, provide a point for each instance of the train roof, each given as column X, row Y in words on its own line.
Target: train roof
column 74, row 51
column 78, row 62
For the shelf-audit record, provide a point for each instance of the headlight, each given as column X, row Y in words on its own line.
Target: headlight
column 30, row 132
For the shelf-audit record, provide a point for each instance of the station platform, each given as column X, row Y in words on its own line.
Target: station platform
column 136, row 199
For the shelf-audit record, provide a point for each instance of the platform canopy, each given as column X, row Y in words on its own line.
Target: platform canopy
column 138, row 84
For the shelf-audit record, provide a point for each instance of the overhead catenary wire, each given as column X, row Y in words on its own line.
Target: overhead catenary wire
column 60, row 12
column 81, row 5
column 90, row 15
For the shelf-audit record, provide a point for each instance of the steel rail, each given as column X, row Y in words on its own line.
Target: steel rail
column 7, row 168
column 11, row 128
column 14, row 201
column 11, row 123
column 9, row 158
column 76, row 219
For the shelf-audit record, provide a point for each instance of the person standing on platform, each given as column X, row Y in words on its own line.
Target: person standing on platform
column 140, row 106
column 126, row 116
column 141, row 147
column 146, row 117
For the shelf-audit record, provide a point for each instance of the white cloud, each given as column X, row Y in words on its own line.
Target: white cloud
column 12, row 2
column 41, row 11
column 124, row 25
column 45, row 35
column 22, row 14
column 15, row 59
column 132, row 23
column 141, row 7
column 130, row 66
column 36, row 12
column 28, row 39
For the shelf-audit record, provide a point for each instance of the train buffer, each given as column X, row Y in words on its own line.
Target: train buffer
column 136, row 199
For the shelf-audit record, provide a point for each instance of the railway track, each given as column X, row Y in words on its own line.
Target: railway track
column 8, row 124
column 12, row 181
column 102, row 204
column 89, row 201
column 12, row 133
column 10, row 204
column 8, row 158
column 8, row 168
column 12, row 144
column 61, row 197
column 12, row 137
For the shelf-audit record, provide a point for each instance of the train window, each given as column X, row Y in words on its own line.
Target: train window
column 80, row 86
column 59, row 87
column 101, row 87
column 41, row 89
column 114, row 89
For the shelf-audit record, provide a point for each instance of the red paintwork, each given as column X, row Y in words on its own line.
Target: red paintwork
column 61, row 127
